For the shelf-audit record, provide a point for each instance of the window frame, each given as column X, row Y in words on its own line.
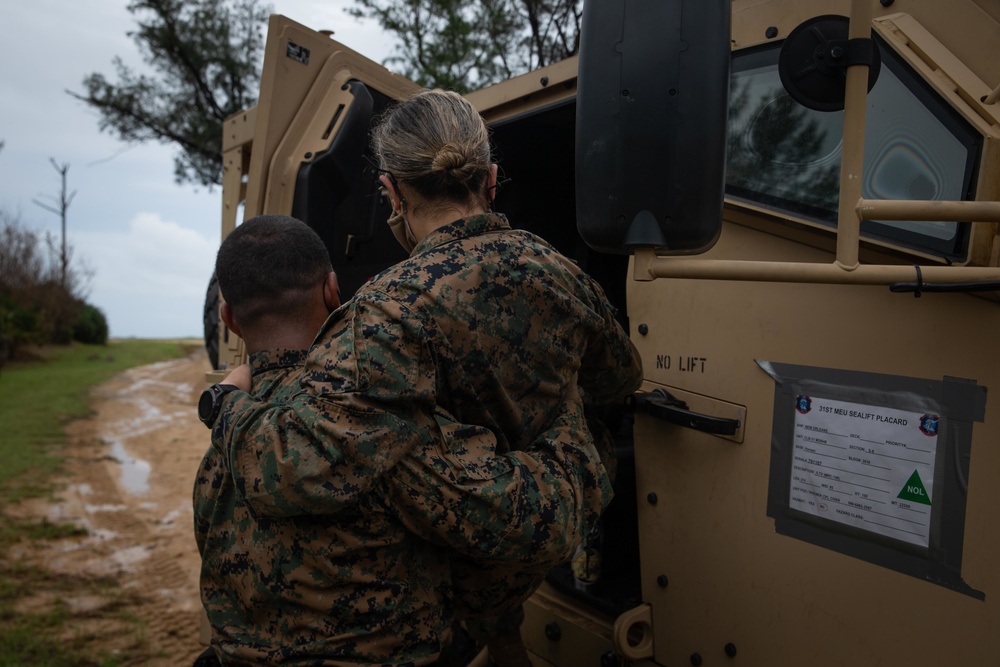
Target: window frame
column 955, row 249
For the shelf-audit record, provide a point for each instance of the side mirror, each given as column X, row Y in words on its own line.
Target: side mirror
column 652, row 103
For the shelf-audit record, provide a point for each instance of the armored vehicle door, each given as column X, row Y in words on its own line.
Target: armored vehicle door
column 302, row 152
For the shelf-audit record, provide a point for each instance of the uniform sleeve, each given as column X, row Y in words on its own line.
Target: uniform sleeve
column 611, row 367
column 531, row 506
column 207, row 481
column 367, row 397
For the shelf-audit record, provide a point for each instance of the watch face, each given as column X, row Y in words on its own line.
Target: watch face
column 205, row 405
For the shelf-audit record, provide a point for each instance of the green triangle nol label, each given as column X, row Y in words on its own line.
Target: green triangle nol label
column 914, row 490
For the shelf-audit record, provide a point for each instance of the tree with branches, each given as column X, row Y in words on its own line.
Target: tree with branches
column 204, row 65
column 468, row 45
column 203, row 61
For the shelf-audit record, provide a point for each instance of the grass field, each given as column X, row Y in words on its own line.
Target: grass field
column 37, row 399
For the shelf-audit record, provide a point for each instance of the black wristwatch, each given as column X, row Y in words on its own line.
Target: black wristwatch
column 211, row 402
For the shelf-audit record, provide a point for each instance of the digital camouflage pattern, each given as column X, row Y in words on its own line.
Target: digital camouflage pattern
column 260, row 577
column 440, row 402
column 274, row 589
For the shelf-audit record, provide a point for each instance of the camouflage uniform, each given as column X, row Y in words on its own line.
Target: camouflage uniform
column 257, row 574
column 440, row 402
column 265, row 581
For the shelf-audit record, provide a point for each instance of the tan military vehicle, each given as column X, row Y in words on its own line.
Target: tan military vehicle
column 795, row 207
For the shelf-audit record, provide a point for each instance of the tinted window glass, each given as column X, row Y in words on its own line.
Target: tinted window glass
column 787, row 157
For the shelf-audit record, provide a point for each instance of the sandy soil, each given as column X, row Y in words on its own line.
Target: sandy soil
column 131, row 469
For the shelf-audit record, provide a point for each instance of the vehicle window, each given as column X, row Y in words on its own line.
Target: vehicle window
column 784, row 156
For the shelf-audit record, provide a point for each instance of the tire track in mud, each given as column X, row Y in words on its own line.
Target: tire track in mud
column 131, row 471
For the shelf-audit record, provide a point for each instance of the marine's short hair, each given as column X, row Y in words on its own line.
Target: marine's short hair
column 269, row 265
column 437, row 143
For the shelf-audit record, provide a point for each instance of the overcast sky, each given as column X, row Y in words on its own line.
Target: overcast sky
column 150, row 242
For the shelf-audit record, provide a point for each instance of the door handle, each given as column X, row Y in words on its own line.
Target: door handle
column 661, row 404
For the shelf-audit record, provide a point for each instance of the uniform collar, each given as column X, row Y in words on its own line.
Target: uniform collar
column 462, row 228
column 274, row 359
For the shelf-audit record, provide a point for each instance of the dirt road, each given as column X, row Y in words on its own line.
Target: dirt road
column 131, row 470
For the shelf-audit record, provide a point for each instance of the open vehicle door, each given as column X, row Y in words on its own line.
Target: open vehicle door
column 301, row 152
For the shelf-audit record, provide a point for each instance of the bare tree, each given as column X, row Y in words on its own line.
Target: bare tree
column 62, row 205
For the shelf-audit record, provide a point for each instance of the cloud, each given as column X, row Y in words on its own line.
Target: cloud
column 149, row 280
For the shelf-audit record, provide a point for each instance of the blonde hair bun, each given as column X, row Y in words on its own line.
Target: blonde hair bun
column 449, row 158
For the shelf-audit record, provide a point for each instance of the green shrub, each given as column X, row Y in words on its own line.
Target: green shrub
column 91, row 326
column 18, row 328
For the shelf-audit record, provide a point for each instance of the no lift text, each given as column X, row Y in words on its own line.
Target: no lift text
column 682, row 363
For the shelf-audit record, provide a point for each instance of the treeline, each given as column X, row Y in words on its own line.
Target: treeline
column 41, row 297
